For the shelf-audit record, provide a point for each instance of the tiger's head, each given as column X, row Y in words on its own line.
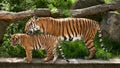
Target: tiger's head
column 34, row 24
column 15, row 39
column 31, row 26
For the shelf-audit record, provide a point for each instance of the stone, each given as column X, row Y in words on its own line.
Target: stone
column 111, row 25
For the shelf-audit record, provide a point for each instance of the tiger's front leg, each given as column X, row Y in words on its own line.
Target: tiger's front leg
column 28, row 56
column 90, row 46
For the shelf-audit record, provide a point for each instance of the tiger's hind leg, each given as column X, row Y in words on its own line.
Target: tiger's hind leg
column 55, row 55
column 90, row 46
column 49, row 56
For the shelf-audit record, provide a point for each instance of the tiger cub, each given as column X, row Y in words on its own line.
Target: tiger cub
column 48, row 43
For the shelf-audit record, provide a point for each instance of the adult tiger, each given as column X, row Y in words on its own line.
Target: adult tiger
column 68, row 29
column 47, row 42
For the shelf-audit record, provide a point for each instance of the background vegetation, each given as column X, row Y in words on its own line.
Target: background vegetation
column 75, row 49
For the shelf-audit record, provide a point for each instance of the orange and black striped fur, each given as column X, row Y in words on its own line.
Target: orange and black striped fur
column 68, row 29
column 46, row 42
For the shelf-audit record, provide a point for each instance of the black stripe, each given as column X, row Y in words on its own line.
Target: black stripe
column 39, row 41
column 63, row 30
column 59, row 26
column 43, row 27
column 74, row 27
column 47, row 26
column 65, row 38
column 52, row 26
column 70, row 39
column 84, row 26
column 56, row 24
column 88, row 29
column 89, row 42
column 90, row 47
column 77, row 27
column 69, row 21
column 80, row 26
column 67, row 27
column 85, row 40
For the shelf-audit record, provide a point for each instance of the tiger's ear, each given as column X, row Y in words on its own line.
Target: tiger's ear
column 17, row 36
column 10, row 35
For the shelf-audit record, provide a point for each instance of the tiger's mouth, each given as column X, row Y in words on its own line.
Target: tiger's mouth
column 14, row 43
column 29, row 32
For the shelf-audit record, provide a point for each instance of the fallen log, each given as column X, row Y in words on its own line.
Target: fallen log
column 15, row 16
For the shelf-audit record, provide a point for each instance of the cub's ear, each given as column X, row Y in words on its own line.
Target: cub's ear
column 11, row 35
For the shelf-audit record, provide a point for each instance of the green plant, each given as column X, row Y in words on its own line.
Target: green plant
column 108, row 1
column 6, row 45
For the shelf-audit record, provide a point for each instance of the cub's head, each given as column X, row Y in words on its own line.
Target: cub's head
column 15, row 39
column 31, row 26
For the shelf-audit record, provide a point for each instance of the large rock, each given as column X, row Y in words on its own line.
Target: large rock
column 111, row 25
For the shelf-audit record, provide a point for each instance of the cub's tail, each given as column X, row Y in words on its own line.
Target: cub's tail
column 62, row 54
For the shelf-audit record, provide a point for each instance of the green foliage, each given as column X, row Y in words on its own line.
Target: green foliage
column 6, row 45
column 74, row 49
column 109, row 1
column 114, row 46
column 62, row 5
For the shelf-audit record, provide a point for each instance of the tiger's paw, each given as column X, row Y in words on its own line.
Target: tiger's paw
column 53, row 62
column 45, row 59
column 88, row 58
column 28, row 60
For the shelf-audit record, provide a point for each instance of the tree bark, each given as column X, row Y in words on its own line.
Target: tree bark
column 15, row 16
column 95, row 9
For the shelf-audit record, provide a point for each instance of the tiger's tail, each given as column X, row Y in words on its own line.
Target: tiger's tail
column 62, row 54
column 101, row 40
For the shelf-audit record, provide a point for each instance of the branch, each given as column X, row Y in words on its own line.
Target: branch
column 95, row 9
column 15, row 16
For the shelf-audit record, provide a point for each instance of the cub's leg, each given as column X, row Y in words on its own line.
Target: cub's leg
column 49, row 55
column 90, row 46
column 28, row 55
column 55, row 55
